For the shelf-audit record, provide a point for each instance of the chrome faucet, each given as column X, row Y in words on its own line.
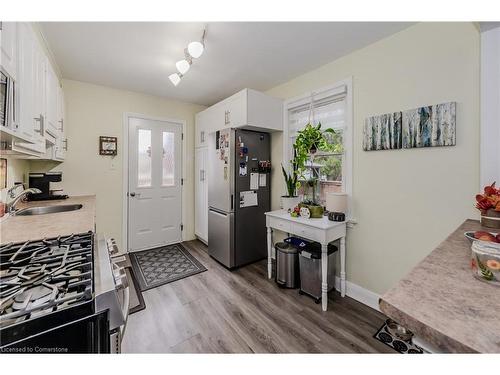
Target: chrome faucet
column 11, row 206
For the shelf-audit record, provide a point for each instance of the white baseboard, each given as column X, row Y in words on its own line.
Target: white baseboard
column 360, row 294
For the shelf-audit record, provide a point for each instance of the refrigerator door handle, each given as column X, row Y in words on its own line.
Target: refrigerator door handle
column 217, row 212
column 232, row 202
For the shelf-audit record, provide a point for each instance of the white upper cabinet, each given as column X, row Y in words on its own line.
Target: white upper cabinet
column 30, row 86
column 26, row 88
column 201, row 127
column 39, row 130
column 62, row 142
column 51, row 95
column 247, row 109
column 8, row 48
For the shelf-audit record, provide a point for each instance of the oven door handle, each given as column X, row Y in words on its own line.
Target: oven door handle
column 125, row 310
column 123, row 285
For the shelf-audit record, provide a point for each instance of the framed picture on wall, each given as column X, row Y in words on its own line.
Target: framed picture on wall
column 108, row 145
column 3, row 173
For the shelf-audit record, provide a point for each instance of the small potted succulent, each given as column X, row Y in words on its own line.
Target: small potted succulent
column 489, row 205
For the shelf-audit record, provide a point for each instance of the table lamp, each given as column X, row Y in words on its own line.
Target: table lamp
column 336, row 204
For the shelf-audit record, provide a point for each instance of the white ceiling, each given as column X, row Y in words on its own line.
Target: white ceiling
column 260, row 55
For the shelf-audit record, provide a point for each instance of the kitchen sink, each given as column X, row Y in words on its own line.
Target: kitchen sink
column 47, row 210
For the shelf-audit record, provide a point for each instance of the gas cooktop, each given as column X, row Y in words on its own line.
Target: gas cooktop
column 39, row 278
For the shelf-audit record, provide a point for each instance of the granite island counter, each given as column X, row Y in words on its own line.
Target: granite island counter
column 442, row 303
column 24, row 228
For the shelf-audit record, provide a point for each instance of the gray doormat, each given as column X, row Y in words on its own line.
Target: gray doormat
column 162, row 265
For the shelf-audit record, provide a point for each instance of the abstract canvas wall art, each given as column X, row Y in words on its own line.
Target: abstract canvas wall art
column 429, row 126
column 382, row 132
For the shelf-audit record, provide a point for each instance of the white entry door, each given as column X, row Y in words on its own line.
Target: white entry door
column 154, row 187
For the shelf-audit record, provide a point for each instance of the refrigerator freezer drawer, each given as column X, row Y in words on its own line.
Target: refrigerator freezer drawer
column 221, row 236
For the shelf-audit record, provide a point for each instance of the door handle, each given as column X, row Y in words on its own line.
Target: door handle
column 134, row 194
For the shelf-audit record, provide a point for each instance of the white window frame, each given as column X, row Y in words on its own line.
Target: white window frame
column 324, row 92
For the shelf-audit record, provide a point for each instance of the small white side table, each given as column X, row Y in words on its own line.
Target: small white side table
column 321, row 230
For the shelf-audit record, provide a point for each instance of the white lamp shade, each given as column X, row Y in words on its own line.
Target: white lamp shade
column 174, row 78
column 182, row 66
column 336, row 202
column 196, row 49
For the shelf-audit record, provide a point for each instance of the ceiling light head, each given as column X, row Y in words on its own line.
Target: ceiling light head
column 183, row 65
column 196, row 49
column 175, row 78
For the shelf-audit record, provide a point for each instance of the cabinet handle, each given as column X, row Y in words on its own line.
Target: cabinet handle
column 201, row 175
column 227, row 119
column 65, row 148
column 41, row 120
column 202, row 136
column 62, row 125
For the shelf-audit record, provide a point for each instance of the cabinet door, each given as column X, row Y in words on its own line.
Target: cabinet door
column 201, row 194
column 51, row 93
column 204, row 214
column 8, row 48
column 26, row 82
column 39, row 84
column 235, row 110
column 201, row 127
column 60, row 110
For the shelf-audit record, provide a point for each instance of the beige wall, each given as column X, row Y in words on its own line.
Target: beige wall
column 405, row 201
column 92, row 111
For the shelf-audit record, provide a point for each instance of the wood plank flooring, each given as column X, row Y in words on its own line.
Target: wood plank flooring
column 221, row 311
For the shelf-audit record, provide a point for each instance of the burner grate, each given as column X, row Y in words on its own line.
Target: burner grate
column 41, row 277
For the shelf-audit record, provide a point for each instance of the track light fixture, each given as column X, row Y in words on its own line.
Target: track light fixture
column 193, row 51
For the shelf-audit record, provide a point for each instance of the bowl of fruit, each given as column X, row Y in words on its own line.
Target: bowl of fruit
column 489, row 237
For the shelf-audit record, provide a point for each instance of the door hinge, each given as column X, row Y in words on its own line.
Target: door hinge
column 182, row 181
column 182, row 227
column 182, row 136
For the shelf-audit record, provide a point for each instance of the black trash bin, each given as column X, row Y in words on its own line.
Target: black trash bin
column 287, row 265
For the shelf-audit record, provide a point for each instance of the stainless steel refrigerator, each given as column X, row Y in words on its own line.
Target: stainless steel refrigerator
column 238, row 195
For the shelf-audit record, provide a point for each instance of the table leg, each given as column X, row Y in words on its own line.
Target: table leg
column 342, row 266
column 324, row 276
column 269, row 253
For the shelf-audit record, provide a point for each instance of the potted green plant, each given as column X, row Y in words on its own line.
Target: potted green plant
column 309, row 140
column 291, row 200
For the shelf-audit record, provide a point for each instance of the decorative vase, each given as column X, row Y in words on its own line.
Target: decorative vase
column 289, row 203
column 490, row 219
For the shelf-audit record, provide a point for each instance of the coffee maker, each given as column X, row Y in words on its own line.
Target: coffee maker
column 42, row 182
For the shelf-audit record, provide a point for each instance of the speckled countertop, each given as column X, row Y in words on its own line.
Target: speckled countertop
column 24, row 228
column 441, row 302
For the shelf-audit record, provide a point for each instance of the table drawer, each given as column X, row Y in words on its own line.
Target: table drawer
column 278, row 224
column 307, row 232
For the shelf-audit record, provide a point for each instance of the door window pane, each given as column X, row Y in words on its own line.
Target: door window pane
column 144, row 158
column 168, row 162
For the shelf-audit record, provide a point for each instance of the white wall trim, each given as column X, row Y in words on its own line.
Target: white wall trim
column 126, row 117
column 349, row 135
column 360, row 294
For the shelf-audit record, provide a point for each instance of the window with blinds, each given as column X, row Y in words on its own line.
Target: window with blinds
column 329, row 109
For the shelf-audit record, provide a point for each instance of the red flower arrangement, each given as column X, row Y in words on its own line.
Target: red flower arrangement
column 490, row 199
